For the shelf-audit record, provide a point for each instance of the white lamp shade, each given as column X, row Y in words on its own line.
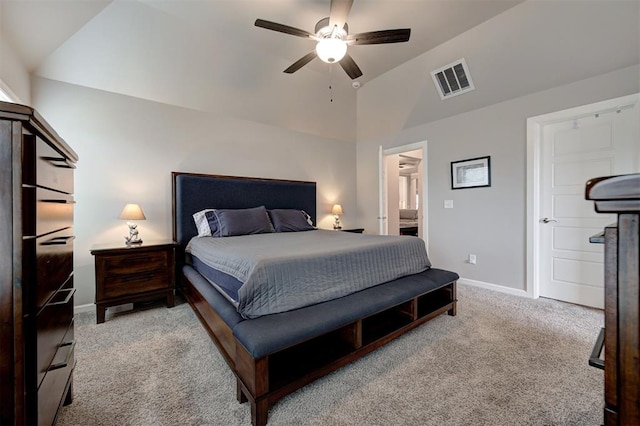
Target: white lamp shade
column 132, row 212
column 331, row 50
column 336, row 209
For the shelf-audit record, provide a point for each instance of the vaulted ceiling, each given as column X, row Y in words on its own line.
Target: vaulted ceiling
column 208, row 55
column 231, row 22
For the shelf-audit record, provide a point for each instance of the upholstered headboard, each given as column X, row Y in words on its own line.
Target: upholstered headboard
column 195, row 192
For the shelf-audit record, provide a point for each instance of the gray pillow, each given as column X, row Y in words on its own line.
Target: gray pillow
column 290, row 220
column 234, row 222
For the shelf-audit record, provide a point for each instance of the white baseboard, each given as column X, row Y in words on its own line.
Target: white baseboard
column 89, row 307
column 495, row 287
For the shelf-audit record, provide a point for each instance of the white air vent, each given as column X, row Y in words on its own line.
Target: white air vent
column 453, row 79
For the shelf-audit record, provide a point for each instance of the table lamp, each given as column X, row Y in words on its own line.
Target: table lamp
column 132, row 212
column 336, row 210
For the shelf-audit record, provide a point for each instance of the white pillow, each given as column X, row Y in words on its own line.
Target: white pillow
column 202, row 224
column 306, row 216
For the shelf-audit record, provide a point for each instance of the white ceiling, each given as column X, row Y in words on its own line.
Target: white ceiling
column 431, row 21
column 36, row 28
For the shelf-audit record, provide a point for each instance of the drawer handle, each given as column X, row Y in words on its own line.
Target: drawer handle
column 597, row 239
column 57, row 201
column 66, row 299
column 129, row 278
column 137, row 259
column 58, row 241
column 71, row 346
column 594, row 359
column 60, row 162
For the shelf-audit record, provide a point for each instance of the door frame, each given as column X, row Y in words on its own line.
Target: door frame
column 534, row 164
column 382, row 184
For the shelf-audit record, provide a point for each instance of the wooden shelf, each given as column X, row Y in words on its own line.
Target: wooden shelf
column 285, row 366
column 436, row 300
column 339, row 347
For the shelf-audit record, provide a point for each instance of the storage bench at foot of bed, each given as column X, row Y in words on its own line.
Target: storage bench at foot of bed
column 275, row 355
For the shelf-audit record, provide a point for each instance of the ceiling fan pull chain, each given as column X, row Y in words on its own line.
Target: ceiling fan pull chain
column 330, row 83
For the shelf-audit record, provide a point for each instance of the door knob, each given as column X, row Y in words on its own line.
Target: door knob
column 547, row 220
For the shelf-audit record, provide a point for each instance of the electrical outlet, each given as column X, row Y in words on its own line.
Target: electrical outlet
column 472, row 259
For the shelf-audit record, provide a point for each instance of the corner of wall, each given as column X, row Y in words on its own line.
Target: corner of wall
column 14, row 76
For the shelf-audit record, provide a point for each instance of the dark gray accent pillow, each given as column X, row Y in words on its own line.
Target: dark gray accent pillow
column 212, row 220
column 234, row 222
column 290, row 220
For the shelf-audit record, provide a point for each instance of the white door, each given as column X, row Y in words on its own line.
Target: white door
column 574, row 151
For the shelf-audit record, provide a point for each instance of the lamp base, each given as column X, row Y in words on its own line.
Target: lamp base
column 337, row 225
column 134, row 236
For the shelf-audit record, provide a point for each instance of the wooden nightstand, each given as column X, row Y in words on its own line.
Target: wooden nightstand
column 135, row 273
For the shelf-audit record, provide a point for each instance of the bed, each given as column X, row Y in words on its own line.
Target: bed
column 275, row 353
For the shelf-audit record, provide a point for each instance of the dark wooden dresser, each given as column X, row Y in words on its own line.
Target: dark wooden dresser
column 36, row 268
column 621, row 195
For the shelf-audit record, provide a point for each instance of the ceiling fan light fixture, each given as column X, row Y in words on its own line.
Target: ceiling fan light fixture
column 331, row 50
column 332, row 36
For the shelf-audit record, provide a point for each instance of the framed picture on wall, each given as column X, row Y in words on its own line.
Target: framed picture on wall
column 472, row 173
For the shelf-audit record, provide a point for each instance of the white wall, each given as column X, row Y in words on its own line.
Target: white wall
column 136, row 49
column 128, row 147
column 14, row 78
column 489, row 222
column 576, row 53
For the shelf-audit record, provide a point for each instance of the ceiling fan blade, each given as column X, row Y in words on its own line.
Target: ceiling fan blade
column 274, row 26
column 301, row 62
column 339, row 12
column 380, row 37
column 350, row 67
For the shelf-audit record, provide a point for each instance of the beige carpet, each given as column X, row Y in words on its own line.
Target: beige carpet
column 504, row 360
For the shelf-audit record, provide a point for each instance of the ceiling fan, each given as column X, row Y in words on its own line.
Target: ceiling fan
column 332, row 35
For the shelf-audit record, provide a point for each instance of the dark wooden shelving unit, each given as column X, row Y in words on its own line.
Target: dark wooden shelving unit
column 37, row 344
column 621, row 334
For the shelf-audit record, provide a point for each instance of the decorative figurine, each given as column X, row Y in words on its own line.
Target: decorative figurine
column 133, row 237
column 130, row 213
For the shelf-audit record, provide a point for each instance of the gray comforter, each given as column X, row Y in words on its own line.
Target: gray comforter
column 285, row 271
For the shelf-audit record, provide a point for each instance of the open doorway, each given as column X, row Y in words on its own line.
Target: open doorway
column 403, row 190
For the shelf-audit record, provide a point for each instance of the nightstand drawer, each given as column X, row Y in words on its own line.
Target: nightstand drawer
column 149, row 261
column 125, row 285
